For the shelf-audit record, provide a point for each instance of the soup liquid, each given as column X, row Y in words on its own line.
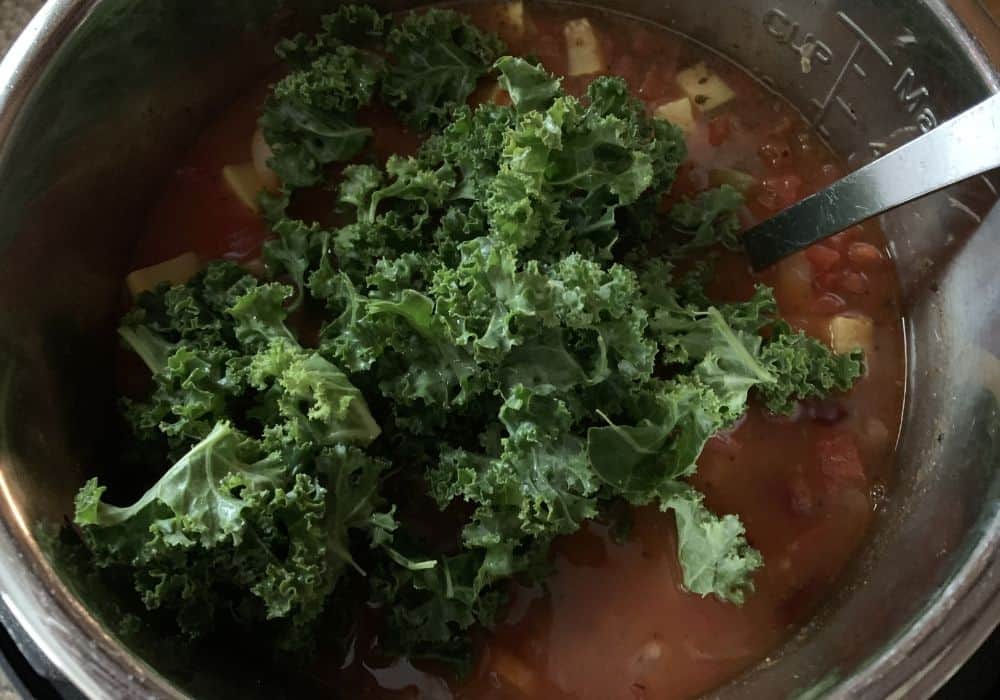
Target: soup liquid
column 613, row 621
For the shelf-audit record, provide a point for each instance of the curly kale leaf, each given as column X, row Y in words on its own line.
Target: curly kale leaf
column 231, row 527
column 429, row 610
column 804, row 367
column 567, row 173
column 309, row 120
column 247, row 366
column 348, row 24
column 342, row 81
column 726, row 350
column 304, row 140
column 647, row 462
column 439, row 56
column 296, row 249
column 712, row 218
column 191, row 504
column 714, row 554
column 530, row 87
column 540, row 485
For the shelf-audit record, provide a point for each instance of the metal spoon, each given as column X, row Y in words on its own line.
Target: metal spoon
column 966, row 145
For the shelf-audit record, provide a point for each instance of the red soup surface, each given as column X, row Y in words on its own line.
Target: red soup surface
column 613, row 620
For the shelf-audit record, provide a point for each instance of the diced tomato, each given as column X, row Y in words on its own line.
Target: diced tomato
column 828, row 303
column 719, row 129
column 843, row 281
column 821, row 257
column 780, row 191
column 839, row 459
column 864, row 255
column 768, row 199
column 775, row 152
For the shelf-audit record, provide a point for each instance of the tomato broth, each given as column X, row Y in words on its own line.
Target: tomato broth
column 613, row 620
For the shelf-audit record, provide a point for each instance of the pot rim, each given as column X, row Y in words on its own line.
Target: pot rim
column 920, row 659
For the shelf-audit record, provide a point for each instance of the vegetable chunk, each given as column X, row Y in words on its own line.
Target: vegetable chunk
column 174, row 271
column 584, row 53
column 512, row 18
column 677, row 112
column 849, row 333
column 243, row 182
column 706, row 90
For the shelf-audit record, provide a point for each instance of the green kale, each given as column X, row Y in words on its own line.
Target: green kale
column 710, row 219
column 568, row 172
column 349, row 24
column 804, row 367
column 247, row 367
column 713, row 550
column 531, row 89
column 310, row 120
column 439, row 57
column 229, row 518
column 726, row 350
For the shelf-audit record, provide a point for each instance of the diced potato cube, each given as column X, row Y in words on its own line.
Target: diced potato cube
column 261, row 153
column 243, row 182
column 677, row 112
column 705, row 89
column 584, row 54
column 514, row 672
column 174, row 271
column 850, row 332
column 512, row 18
column 794, row 286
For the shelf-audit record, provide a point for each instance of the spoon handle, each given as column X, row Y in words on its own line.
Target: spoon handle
column 966, row 145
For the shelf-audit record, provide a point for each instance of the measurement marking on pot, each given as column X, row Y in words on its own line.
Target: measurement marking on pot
column 913, row 98
column 909, row 92
column 847, row 109
column 851, row 63
column 824, row 104
column 785, row 31
column 863, row 35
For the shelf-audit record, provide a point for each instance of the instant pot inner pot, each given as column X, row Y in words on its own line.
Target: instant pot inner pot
column 110, row 91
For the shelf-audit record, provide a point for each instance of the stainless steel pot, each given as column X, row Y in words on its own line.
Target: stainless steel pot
column 98, row 95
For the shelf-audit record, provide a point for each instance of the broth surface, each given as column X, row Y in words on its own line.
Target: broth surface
column 614, row 621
